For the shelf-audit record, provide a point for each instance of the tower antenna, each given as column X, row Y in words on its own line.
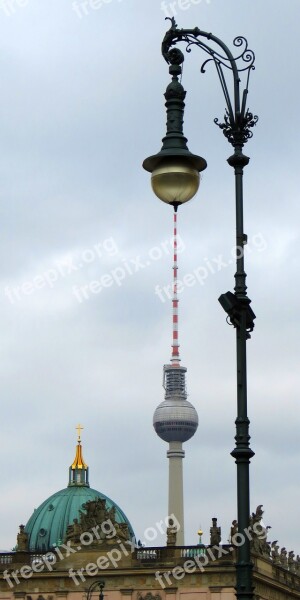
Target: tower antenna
column 175, row 359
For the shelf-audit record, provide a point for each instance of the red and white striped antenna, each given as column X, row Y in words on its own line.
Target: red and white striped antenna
column 175, row 359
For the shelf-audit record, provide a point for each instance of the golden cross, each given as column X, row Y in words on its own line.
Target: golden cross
column 79, row 429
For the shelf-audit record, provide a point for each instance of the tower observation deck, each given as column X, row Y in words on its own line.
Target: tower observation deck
column 175, row 419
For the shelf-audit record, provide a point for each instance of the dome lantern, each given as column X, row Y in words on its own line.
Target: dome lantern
column 79, row 471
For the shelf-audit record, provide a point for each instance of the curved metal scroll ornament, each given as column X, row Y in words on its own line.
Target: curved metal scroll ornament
column 247, row 55
column 174, row 35
column 237, row 120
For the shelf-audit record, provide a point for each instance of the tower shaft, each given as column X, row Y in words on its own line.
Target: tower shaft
column 175, row 455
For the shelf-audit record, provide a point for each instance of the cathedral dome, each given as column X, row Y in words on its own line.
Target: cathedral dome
column 47, row 526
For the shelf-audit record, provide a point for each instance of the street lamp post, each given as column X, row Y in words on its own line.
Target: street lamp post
column 100, row 584
column 175, row 179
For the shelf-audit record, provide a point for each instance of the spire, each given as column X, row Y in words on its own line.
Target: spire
column 175, row 359
column 79, row 471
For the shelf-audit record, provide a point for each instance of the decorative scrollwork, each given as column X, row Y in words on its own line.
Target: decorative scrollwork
column 246, row 55
column 238, row 132
column 174, row 35
column 238, row 120
column 168, row 40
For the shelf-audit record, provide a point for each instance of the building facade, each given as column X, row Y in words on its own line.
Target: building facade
column 79, row 545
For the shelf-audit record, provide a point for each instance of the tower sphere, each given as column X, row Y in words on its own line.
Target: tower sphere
column 175, row 420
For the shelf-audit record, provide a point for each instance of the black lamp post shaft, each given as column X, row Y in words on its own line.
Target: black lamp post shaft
column 242, row 452
column 236, row 127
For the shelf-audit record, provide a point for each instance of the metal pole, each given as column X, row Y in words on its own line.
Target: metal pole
column 101, row 586
column 242, row 452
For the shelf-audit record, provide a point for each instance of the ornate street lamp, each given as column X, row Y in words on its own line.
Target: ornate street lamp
column 100, row 584
column 175, row 180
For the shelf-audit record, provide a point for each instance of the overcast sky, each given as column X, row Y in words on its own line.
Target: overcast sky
column 81, row 107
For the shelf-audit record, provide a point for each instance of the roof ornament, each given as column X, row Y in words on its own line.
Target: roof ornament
column 79, row 428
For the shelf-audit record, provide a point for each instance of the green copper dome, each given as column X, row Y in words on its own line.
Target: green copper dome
column 47, row 526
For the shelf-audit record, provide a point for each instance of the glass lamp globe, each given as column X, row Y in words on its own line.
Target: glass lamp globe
column 175, row 181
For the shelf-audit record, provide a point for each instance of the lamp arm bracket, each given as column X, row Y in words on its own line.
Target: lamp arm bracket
column 238, row 119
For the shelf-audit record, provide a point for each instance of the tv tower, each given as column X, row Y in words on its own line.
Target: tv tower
column 175, row 420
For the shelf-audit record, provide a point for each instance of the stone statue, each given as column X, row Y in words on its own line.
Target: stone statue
column 283, row 558
column 215, row 533
column 264, row 545
column 259, row 533
column 275, row 553
column 122, row 531
column 111, row 514
column 291, row 562
column 95, row 513
column 268, row 549
column 255, row 543
column 297, row 565
column 171, row 534
column 257, row 516
column 74, row 532
column 22, row 540
column 233, row 531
